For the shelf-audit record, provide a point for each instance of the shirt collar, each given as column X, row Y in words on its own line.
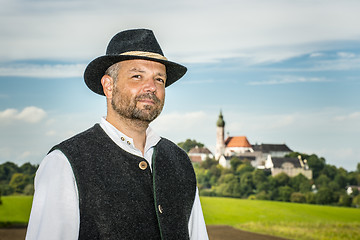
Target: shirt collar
column 127, row 143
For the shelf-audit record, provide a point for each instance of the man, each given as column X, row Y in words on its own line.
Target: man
column 119, row 179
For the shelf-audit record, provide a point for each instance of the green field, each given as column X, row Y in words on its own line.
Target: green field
column 15, row 210
column 290, row 220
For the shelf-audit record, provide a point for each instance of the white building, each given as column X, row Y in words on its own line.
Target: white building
column 291, row 166
column 199, row 154
column 263, row 156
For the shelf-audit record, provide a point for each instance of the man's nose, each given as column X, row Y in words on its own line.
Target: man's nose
column 150, row 85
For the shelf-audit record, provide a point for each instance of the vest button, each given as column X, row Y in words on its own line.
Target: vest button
column 160, row 209
column 143, row 165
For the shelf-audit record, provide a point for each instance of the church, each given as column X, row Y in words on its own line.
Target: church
column 262, row 156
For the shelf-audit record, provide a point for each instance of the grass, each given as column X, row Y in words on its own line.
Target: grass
column 15, row 210
column 289, row 220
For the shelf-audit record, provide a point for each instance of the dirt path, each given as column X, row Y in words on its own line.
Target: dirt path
column 12, row 233
column 215, row 233
column 229, row 233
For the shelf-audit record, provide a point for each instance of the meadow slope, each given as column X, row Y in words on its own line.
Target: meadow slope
column 289, row 220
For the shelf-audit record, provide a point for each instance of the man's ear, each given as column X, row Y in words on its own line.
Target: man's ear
column 107, row 83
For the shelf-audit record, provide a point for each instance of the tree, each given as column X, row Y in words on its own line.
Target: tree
column 282, row 179
column 341, row 180
column 299, row 181
column 6, row 189
column 19, row 181
column 228, row 186
column 28, row 169
column 285, row 193
column 297, row 197
column 355, row 191
column 322, row 181
column 243, row 168
column 7, row 170
column 29, row 189
column 259, row 177
column 305, row 187
column 356, row 201
column 262, row 196
column 310, row 198
column 324, row 196
column 235, row 162
column 189, row 144
column 202, row 178
column 208, row 163
column 316, row 164
column 334, row 186
column 246, row 179
column 345, row 200
column 329, row 170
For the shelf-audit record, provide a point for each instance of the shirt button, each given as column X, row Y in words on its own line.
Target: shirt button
column 143, row 165
column 122, row 139
column 160, row 209
column 128, row 142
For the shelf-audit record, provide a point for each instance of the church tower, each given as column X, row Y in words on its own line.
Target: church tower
column 220, row 137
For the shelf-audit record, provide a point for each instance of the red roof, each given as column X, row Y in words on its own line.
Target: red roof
column 195, row 158
column 240, row 141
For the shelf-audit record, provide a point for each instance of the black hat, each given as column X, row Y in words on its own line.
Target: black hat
column 126, row 45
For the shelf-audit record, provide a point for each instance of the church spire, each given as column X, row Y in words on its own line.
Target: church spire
column 220, row 143
column 220, row 122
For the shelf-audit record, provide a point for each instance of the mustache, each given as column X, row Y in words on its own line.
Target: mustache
column 148, row 96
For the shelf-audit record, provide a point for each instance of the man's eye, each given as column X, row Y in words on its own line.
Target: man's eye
column 160, row 80
column 136, row 76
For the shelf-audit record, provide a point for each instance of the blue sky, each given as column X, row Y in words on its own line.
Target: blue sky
column 280, row 71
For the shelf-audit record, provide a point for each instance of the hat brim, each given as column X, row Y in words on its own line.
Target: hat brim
column 95, row 70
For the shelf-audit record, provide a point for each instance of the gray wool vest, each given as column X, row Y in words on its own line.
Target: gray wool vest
column 119, row 196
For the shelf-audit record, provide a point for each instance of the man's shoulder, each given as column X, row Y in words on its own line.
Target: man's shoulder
column 165, row 143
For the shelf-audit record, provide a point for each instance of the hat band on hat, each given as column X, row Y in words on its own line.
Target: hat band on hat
column 145, row 54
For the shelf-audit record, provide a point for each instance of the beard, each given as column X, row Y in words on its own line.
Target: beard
column 126, row 106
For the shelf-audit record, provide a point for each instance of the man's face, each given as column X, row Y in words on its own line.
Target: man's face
column 139, row 91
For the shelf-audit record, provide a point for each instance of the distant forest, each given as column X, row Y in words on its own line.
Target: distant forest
column 17, row 180
column 328, row 187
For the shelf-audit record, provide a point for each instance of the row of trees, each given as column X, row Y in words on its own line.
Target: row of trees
column 328, row 185
column 17, row 180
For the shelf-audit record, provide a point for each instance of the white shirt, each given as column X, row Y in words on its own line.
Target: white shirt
column 55, row 213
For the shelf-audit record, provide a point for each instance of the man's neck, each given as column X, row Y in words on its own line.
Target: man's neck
column 136, row 129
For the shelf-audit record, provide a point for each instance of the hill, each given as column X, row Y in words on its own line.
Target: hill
column 289, row 220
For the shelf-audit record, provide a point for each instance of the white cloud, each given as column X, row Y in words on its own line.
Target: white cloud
column 342, row 63
column 65, row 29
column 350, row 116
column 24, row 155
column 179, row 121
column 43, row 70
column 346, row 54
column 316, row 54
column 289, row 80
column 51, row 133
column 29, row 114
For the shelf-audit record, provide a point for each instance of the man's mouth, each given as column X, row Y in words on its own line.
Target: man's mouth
column 147, row 101
column 148, row 98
